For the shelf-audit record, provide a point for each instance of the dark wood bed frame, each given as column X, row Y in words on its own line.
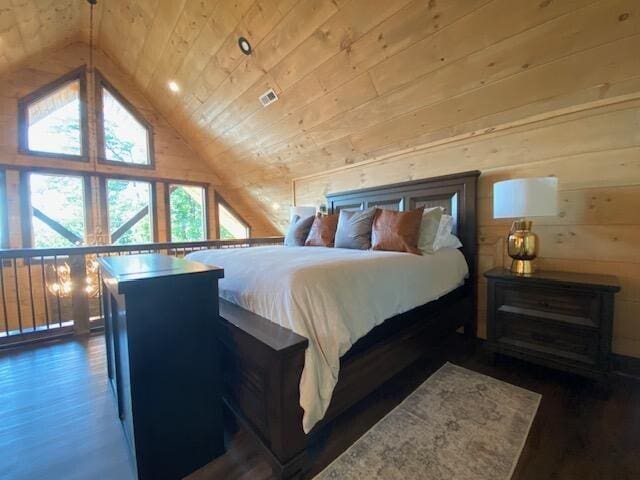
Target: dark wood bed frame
column 263, row 362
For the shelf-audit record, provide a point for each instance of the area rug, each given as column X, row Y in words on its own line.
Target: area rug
column 458, row 424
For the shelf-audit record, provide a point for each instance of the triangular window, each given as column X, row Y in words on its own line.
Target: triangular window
column 124, row 136
column 230, row 225
column 53, row 119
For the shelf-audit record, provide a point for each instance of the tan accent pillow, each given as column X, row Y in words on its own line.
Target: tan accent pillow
column 323, row 231
column 397, row 231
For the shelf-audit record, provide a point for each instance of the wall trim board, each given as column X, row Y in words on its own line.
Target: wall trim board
column 625, row 365
column 535, row 119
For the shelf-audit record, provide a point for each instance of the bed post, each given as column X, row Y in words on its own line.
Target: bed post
column 469, row 237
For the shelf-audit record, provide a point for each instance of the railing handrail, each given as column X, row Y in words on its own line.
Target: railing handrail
column 97, row 249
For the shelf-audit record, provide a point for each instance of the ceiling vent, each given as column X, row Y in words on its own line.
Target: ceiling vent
column 268, row 97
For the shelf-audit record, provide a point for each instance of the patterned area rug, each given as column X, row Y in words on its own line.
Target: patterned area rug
column 458, row 424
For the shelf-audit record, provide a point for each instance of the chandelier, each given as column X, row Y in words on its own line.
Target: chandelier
column 60, row 281
column 62, row 284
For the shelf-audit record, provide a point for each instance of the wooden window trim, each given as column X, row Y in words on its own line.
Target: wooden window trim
column 79, row 74
column 25, row 200
column 102, row 83
column 220, row 200
column 104, row 207
column 167, row 207
column 118, row 176
column 4, row 212
column 26, row 213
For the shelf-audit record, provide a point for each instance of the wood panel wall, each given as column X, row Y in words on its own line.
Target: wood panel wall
column 594, row 152
column 374, row 91
column 389, row 90
column 361, row 78
column 174, row 158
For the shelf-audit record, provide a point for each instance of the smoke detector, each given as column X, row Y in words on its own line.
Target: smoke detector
column 268, row 97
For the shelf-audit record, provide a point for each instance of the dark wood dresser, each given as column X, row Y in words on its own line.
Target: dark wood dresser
column 558, row 319
column 161, row 319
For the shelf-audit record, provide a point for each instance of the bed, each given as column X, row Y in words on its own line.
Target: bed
column 309, row 331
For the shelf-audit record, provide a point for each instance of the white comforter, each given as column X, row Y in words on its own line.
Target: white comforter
column 332, row 296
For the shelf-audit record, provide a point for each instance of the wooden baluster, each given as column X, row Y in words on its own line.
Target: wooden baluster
column 79, row 297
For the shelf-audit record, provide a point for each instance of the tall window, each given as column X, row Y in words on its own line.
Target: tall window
column 52, row 119
column 129, row 211
column 57, row 209
column 230, row 225
column 124, row 137
column 187, row 213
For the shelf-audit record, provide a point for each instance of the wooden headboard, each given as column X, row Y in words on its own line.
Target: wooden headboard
column 456, row 193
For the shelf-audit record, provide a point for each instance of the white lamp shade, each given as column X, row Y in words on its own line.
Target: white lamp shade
column 525, row 197
column 302, row 212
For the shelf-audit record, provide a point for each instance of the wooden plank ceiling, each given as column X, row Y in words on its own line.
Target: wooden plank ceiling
column 355, row 78
column 29, row 26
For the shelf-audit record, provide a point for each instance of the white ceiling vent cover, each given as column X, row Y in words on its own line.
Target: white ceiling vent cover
column 268, row 97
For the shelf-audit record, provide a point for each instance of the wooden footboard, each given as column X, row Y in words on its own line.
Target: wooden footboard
column 262, row 364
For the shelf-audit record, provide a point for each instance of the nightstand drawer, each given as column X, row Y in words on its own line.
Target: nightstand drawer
column 564, row 305
column 559, row 319
column 547, row 339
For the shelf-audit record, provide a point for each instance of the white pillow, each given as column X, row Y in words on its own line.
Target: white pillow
column 429, row 227
column 443, row 238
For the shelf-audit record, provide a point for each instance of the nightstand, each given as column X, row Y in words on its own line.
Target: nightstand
column 558, row 319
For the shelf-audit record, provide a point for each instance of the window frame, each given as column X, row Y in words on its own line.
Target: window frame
column 221, row 201
column 26, row 212
column 79, row 74
column 4, row 211
column 101, row 83
column 104, row 204
column 167, row 206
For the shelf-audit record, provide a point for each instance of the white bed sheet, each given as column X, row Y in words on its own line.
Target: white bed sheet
column 332, row 296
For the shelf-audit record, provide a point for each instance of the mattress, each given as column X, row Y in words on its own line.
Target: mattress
column 331, row 296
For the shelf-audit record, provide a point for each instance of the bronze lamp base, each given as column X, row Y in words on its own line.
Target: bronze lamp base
column 522, row 247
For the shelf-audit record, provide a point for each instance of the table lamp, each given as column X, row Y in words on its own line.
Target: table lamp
column 522, row 198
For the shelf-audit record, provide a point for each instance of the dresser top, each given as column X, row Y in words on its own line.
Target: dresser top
column 592, row 280
column 151, row 266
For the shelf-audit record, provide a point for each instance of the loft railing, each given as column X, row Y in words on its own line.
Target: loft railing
column 47, row 293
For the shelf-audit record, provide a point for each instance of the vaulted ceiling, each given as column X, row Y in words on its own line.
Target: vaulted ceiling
column 356, row 79
column 29, row 26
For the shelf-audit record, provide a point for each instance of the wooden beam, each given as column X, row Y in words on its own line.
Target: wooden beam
column 57, row 227
column 126, row 226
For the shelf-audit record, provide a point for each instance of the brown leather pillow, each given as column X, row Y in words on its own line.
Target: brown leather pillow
column 323, row 231
column 397, row 231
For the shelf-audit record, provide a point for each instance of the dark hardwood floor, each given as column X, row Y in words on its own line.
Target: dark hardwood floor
column 58, row 419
